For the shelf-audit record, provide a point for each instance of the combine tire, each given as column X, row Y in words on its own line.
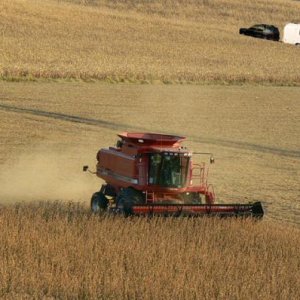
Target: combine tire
column 99, row 202
column 127, row 198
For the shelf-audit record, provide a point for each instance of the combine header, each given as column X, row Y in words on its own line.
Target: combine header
column 153, row 174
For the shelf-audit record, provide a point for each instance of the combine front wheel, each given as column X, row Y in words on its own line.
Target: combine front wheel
column 98, row 202
column 127, row 198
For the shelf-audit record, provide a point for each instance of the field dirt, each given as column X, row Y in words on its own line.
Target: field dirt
column 49, row 130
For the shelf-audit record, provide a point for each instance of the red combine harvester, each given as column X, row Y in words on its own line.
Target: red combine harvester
column 153, row 174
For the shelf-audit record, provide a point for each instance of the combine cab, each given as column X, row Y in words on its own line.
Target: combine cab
column 153, row 174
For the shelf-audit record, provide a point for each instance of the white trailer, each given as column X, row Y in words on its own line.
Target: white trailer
column 291, row 34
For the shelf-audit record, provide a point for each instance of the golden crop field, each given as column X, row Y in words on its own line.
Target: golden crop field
column 146, row 41
column 58, row 107
column 58, row 249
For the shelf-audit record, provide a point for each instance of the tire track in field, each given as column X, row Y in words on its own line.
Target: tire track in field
column 63, row 117
column 247, row 146
column 122, row 127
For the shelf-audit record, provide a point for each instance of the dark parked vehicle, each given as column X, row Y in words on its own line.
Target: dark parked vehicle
column 262, row 31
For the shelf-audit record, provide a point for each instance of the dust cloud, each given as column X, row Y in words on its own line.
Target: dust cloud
column 43, row 174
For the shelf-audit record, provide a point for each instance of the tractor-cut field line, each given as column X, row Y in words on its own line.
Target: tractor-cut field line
column 120, row 126
column 62, row 117
column 248, row 146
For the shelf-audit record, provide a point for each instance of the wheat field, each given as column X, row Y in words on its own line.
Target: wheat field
column 146, row 41
column 52, row 247
column 231, row 95
column 83, row 256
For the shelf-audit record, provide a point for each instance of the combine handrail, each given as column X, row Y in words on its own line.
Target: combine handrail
column 202, row 176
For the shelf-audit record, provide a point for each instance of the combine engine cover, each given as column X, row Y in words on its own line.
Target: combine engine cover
column 153, row 174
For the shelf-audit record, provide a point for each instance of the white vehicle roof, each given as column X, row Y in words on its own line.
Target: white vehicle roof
column 291, row 34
